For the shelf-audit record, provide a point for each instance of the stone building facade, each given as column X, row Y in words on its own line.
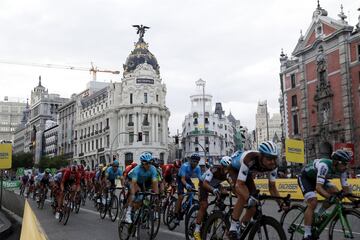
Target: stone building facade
column 10, row 117
column 320, row 100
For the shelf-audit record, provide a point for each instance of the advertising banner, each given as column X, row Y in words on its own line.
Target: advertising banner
column 5, row 155
column 11, row 184
column 294, row 151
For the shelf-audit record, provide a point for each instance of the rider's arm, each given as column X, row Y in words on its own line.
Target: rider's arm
column 322, row 170
column 272, row 185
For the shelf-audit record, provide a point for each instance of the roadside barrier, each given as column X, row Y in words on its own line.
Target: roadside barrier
column 31, row 229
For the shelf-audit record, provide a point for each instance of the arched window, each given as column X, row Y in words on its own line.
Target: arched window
column 162, row 156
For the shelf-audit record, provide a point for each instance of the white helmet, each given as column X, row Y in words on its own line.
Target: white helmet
column 225, row 161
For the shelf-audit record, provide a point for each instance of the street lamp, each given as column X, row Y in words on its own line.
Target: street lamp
column 114, row 141
column 201, row 83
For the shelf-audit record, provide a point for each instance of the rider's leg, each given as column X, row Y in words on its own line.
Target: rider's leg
column 309, row 212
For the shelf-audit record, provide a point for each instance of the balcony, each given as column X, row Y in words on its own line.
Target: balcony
column 100, row 150
column 145, row 123
column 81, row 154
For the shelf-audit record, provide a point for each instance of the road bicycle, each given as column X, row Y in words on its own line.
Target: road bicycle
column 260, row 227
column 109, row 204
column 342, row 221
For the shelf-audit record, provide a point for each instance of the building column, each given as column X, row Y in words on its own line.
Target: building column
column 164, row 129
column 156, row 128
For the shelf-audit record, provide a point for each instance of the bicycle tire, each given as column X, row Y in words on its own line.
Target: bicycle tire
column 102, row 210
column 170, row 214
column 124, row 229
column 157, row 221
column 190, row 221
column 114, row 200
column 223, row 224
column 66, row 209
column 267, row 221
column 289, row 217
column 146, row 221
column 77, row 203
column 346, row 212
column 165, row 207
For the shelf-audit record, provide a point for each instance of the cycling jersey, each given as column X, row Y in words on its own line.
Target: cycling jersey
column 43, row 178
column 188, row 172
column 112, row 175
column 251, row 165
column 214, row 176
column 71, row 177
column 128, row 169
column 58, row 177
column 140, row 175
column 235, row 160
column 168, row 172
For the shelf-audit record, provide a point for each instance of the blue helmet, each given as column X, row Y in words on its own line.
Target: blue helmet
column 194, row 157
column 116, row 163
column 268, row 148
column 146, row 157
column 341, row 155
column 225, row 161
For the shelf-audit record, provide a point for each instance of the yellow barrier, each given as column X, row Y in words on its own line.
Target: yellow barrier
column 290, row 186
column 31, row 229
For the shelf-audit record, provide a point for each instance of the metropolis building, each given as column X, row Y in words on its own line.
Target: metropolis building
column 127, row 118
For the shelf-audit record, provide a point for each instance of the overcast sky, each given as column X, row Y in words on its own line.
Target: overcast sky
column 233, row 45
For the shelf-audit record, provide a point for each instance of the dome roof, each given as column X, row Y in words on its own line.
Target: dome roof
column 139, row 55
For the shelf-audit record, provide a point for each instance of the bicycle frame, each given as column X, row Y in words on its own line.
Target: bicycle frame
column 318, row 229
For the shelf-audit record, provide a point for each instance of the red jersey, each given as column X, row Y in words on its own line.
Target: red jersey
column 167, row 169
column 128, row 169
column 68, row 175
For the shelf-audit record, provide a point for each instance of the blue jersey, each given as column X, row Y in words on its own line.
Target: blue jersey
column 140, row 175
column 187, row 172
column 111, row 174
column 235, row 160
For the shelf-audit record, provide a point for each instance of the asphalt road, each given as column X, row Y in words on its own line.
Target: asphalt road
column 88, row 224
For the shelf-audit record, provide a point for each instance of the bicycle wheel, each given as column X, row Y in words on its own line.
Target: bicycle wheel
column 344, row 230
column 157, row 219
column 165, row 208
column 190, row 221
column 216, row 227
column 170, row 214
column 124, row 229
column 114, row 208
column 66, row 209
column 292, row 221
column 77, row 203
column 267, row 228
column 42, row 200
column 145, row 227
column 83, row 198
column 103, row 210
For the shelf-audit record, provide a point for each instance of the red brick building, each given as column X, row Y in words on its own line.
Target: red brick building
column 320, row 100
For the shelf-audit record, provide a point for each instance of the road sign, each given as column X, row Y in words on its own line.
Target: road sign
column 294, row 150
column 5, row 156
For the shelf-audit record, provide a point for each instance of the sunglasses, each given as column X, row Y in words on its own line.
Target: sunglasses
column 144, row 163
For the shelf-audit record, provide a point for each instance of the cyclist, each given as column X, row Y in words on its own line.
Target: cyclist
column 187, row 170
column 313, row 178
column 143, row 177
column 156, row 163
column 24, row 180
column 262, row 161
column 43, row 180
column 70, row 179
column 113, row 172
column 211, row 183
column 169, row 173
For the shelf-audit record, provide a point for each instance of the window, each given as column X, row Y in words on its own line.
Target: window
column 131, row 137
column 100, row 125
column 157, row 98
column 294, row 101
column 107, row 122
column 145, row 119
column 162, row 156
column 92, row 145
column 295, row 124
column 146, row 134
column 206, row 140
column 107, row 141
column 293, row 80
column 88, row 146
column 358, row 48
column 100, row 142
column 196, row 140
column 81, row 148
column 196, row 149
column 207, row 149
column 97, row 144
column 131, row 98
column 128, row 158
column 145, row 98
column 130, row 120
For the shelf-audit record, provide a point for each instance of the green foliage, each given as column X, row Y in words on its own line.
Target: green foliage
column 55, row 162
column 24, row 160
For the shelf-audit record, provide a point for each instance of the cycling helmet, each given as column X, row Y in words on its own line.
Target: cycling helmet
column 225, row 161
column 146, row 157
column 100, row 166
column 47, row 170
column 116, row 163
column 177, row 163
column 341, row 155
column 155, row 162
column 269, row 149
column 73, row 168
column 194, row 157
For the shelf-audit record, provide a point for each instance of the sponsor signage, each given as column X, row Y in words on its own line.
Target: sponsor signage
column 294, row 151
column 5, row 156
column 347, row 147
column 145, row 80
column 11, row 184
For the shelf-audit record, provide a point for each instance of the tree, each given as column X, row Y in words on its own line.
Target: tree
column 54, row 162
column 24, row 160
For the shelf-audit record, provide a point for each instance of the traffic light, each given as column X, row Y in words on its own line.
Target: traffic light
column 139, row 136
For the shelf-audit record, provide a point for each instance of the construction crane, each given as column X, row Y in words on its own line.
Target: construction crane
column 93, row 70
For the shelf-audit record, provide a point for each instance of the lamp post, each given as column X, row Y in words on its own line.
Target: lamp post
column 112, row 143
column 201, row 83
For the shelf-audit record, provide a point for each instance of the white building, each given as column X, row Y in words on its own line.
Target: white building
column 208, row 130
column 18, row 137
column 10, row 117
column 125, row 118
column 51, row 139
column 43, row 107
column 267, row 128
